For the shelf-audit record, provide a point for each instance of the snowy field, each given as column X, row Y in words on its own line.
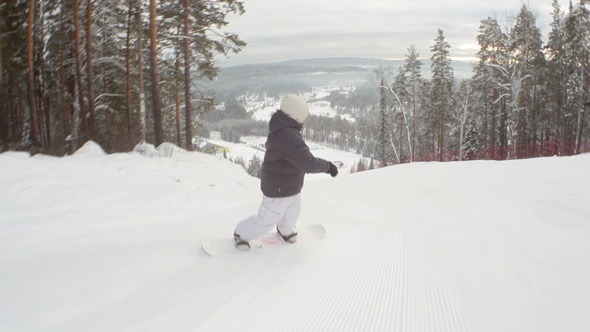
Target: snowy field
column 263, row 108
column 95, row 242
column 255, row 145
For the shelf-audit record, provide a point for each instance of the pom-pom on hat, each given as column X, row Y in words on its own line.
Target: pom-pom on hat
column 295, row 107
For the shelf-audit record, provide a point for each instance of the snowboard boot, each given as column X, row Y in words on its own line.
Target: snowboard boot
column 241, row 244
column 292, row 238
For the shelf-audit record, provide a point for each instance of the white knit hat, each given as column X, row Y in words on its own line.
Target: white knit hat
column 295, row 107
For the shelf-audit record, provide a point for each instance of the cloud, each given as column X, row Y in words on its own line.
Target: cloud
column 291, row 29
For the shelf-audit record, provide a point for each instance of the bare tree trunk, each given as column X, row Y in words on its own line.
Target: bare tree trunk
column 413, row 142
column 187, row 79
column 487, row 131
column 493, row 137
column 63, row 84
column 73, row 109
column 46, row 106
column 462, row 121
column 140, row 85
column 92, row 128
column 128, row 77
column 81, row 113
column 441, row 138
column 16, row 111
column 66, row 115
column 156, row 100
column 3, row 97
column 503, row 128
column 31, row 78
column 405, row 119
column 585, row 81
column 178, row 79
column 44, row 100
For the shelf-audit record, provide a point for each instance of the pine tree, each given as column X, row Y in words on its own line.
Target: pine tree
column 4, row 128
column 412, row 68
column 470, row 143
column 255, row 166
column 92, row 128
column 187, row 74
column 440, row 92
column 78, row 78
column 497, row 57
column 485, row 80
column 577, row 30
column 80, row 126
column 526, row 47
column 154, row 70
column 35, row 135
column 556, row 77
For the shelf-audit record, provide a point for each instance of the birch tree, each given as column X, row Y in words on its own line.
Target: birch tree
column 382, row 134
column 462, row 114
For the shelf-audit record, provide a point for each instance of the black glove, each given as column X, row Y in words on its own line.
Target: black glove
column 333, row 170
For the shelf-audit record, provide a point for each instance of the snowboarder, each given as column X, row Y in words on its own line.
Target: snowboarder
column 285, row 163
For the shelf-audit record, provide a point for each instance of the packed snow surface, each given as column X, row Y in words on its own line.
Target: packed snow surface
column 96, row 242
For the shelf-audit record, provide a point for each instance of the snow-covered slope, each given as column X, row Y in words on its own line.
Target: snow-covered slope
column 96, row 242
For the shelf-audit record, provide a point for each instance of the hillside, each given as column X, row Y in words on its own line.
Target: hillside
column 95, row 242
column 309, row 73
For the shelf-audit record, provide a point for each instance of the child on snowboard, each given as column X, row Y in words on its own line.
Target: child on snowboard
column 285, row 163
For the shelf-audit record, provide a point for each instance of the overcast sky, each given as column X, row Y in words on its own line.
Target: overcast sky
column 278, row 30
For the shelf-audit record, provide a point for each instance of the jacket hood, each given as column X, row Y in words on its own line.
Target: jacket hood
column 280, row 120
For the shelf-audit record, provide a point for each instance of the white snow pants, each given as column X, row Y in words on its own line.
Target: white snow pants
column 282, row 212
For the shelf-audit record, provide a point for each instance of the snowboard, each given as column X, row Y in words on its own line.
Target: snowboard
column 226, row 246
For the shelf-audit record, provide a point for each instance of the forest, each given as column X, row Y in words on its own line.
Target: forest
column 124, row 72
column 115, row 72
column 525, row 98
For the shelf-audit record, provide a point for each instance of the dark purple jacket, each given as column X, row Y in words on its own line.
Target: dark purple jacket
column 287, row 158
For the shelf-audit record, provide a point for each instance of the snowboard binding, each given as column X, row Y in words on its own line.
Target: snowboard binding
column 241, row 244
column 292, row 238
